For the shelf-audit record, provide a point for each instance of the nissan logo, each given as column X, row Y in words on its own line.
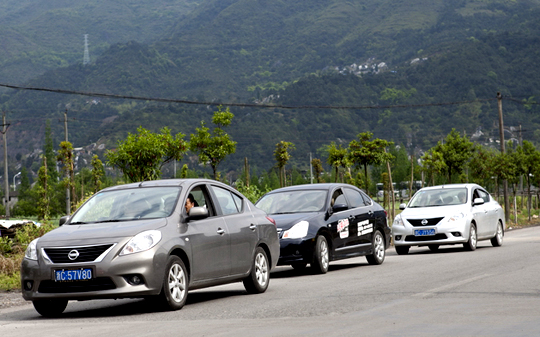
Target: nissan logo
column 73, row 255
column 423, row 222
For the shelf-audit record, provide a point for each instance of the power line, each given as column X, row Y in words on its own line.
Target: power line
column 252, row 105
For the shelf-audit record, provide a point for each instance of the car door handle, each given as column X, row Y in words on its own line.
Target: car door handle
column 253, row 227
column 370, row 212
column 351, row 217
column 220, row 231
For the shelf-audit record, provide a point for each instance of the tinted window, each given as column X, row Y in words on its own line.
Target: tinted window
column 293, row 201
column 367, row 199
column 338, row 198
column 355, row 198
column 226, row 200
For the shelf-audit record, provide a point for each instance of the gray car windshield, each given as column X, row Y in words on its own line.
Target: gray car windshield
column 439, row 197
column 293, row 201
column 128, row 204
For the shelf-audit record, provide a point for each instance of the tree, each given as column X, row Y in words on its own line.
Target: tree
column 44, row 191
column 65, row 156
column 529, row 163
column 97, row 172
column 433, row 164
column 337, row 157
column 213, row 147
column 364, row 152
column 48, row 151
column 282, row 156
column 317, row 167
column 456, row 151
column 140, row 156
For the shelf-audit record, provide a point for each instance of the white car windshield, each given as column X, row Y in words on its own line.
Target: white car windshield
column 293, row 201
column 439, row 197
column 128, row 204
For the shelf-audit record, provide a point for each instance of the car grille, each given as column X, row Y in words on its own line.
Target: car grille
column 52, row 287
column 85, row 253
column 426, row 238
column 430, row 222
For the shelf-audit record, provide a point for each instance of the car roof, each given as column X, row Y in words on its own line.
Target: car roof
column 162, row 182
column 317, row 186
column 438, row 187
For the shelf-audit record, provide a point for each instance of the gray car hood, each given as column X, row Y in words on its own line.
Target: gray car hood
column 99, row 232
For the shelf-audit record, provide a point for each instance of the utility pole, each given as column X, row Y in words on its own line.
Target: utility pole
column 310, row 169
column 6, row 180
column 505, row 182
column 68, row 195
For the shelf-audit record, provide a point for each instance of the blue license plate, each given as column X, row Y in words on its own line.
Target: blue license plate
column 424, row 232
column 73, row 274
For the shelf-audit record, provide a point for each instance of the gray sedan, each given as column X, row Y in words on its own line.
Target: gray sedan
column 154, row 239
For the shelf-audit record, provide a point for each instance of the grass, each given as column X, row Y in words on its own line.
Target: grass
column 12, row 253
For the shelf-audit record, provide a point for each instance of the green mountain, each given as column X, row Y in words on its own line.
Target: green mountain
column 373, row 54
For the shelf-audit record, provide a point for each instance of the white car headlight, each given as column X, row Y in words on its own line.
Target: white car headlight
column 297, row 231
column 141, row 242
column 31, row 250
column 456, row 217
column 398, row 221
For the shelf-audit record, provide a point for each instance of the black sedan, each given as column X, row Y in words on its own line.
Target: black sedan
column 319, row 223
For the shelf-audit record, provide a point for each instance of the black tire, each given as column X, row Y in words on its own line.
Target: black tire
column 433, row 248
column 259, row 277
column 473, row 239
column 402, row 250
column 175, row 284
column 497, row 240
column 378, row 248
column 299, row 265
column 50, row 308
column 321, row 256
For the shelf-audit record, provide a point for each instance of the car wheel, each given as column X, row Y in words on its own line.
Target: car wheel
column 50, row 308
column 402, row 250
column 433, row 248
column 378, row 249
column 259, row 278
column 321, row 256
column 175, row 284
column 299, row 266
column 471, row 244
column 497, row 240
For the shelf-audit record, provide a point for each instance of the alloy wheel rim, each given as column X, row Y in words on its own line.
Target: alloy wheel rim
column 324, row 254
column 379, row 247
column 261, row 269
column 473, row 236
column 177, row 283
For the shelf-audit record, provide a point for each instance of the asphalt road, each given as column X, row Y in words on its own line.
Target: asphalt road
column 488, row 292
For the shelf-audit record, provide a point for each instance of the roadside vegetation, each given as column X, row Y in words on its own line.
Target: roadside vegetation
column 379, row 167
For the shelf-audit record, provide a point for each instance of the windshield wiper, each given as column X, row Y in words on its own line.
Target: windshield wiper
column 78, row 223
column 110, row 220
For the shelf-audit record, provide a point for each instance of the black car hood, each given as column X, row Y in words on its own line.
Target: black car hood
column 286, row 221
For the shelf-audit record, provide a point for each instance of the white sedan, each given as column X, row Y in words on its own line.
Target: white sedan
column 447, row 215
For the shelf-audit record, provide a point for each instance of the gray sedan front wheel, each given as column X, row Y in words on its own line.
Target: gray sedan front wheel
column 175, row 284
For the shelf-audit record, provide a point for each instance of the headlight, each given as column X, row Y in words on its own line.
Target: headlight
column 31, row 251
column 141, row 242
column 398, row 221
column 456, row 217
column 297, row 231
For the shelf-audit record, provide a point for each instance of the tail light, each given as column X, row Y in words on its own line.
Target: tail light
column 272, row 221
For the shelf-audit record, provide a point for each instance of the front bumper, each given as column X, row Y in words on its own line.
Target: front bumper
column 112, row 278
column 445, row 234
column 296, row 251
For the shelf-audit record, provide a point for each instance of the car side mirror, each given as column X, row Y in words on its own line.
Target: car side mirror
column 63, row 220
column 339, row 208
column 402, row 206
column 197, row 213
column 478, row 201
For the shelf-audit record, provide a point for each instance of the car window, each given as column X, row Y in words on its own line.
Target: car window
column 201, row 199
column 439, row 197
column 128, row 204
column 484, row 195
column 293, row 201
column 338, row 198
column 367, row 199
column 355, row 198
column 226, row 201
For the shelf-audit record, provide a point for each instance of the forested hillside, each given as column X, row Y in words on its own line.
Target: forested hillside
column 415, row 55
